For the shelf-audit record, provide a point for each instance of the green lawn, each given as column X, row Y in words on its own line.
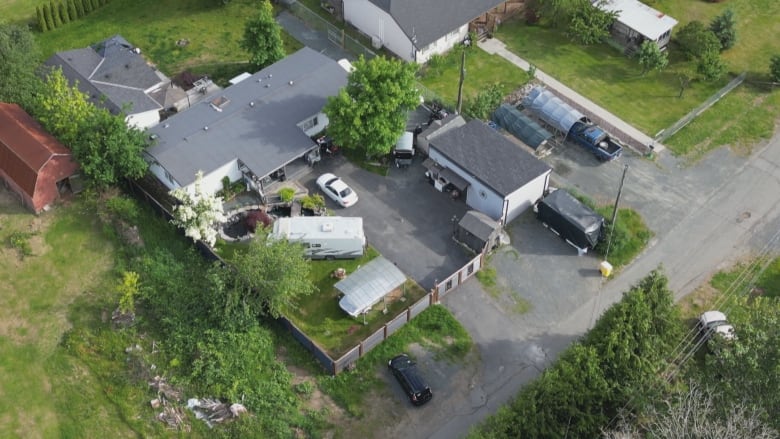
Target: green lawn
column 321, row 318
column 46, row 391
column 651, row 102
column 441, row 76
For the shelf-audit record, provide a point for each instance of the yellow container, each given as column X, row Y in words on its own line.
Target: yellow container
column 605, row 268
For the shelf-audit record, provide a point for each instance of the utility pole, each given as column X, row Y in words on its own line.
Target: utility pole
column 462, row 78
column 615, row 211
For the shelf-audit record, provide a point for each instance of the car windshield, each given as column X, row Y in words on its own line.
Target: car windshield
column 345, row 192
column 329, row 182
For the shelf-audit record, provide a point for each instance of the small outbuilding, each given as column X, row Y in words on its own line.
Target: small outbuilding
column 637, row 22
column 503, row 179
column 368, row 285
column 33, row 163
column 478, row 231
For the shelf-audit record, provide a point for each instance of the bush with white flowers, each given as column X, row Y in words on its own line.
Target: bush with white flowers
column 198, row 213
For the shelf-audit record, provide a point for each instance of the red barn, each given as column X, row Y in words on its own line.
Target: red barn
column 33, row 163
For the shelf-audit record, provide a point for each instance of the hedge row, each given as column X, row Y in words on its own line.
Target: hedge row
column 54, row 14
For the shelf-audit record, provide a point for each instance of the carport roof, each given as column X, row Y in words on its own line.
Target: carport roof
column 489, row 157
column 366, row 286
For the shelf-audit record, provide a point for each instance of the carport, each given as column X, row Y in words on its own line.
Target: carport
column 368, row 285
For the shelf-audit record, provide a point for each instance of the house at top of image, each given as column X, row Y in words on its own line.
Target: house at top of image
column 500, row 179
column 34, row 164
column 257, row 131
column 637, row 22
column 415, row 30
column 113, row 74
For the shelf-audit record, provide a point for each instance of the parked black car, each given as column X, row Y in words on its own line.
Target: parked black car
column 406, row 373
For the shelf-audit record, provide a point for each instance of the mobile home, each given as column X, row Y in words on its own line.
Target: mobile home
column 324, row 237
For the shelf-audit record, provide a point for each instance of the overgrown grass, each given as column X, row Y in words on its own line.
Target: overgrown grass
column 442, row 74
column 651, row 102
column 435, row 328
column 48, row 392
column 737, row 279
column 321, row 318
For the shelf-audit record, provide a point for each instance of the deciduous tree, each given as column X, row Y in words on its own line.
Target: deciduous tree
column 19, row 58
column 651, row 57
column 774, row 68
column 269, row 276
column 695, row 40
column 370, row 112
column 710, row 66
column 263, row 37
column 485, row 102
column 198, row 212
column 62, row 109
column 589, row 24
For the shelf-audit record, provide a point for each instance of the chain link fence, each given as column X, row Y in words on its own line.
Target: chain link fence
column 696, row 112
column 335, row 34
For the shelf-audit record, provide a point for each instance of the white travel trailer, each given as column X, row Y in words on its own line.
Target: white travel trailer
column 324, row 237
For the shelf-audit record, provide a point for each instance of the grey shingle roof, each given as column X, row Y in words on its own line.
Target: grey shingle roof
column 489, row 157
column 112, row 69
column 429, row 20
column 264, row 136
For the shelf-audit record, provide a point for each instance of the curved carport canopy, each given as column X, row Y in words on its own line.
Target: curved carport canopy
column 368, row 285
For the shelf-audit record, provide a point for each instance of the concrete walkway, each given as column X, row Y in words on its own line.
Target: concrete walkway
column 631, row 136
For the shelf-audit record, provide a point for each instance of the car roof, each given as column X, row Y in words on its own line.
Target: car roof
column 338, row 184
column 713, row 316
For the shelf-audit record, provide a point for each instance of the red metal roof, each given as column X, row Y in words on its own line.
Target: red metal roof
column 32, row 159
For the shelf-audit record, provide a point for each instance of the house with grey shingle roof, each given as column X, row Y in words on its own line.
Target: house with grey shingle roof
column 114, row 75
column 501, row 178
column 257, row 130
column 416, row 29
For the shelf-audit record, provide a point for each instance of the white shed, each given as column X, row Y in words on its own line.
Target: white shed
column 503, row 179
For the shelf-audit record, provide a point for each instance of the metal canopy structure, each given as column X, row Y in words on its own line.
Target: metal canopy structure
column 521, row 126
column 552, row 109
column 368, row 285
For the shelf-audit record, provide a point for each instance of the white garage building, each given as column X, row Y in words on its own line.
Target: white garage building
column 502, row 179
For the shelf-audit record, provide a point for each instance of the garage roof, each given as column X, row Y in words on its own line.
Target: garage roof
column 488, row 156
column 366, row 286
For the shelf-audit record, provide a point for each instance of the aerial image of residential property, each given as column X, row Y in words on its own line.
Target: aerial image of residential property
column 350, row 219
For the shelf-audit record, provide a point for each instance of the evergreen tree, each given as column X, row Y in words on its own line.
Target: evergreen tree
column 55, row 14
column 724, row 26
column 74, row 15
column 95, row 4
column 41, row 19
column 87, row 6
column 64, row 16
column 47, row 16
column 79, row 7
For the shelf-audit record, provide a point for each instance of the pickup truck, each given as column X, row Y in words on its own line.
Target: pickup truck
column 595, row 140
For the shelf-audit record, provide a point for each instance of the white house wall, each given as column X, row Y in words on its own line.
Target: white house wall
column 523, row 198
column 147, row 119
column 478, row 196
column 375, row 22
column 443, row 44
column 212, row 182
column 163, row 176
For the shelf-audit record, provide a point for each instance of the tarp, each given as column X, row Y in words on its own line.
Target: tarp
column 574, row 221
column 520, row 125
column 368, row 285
column 551, row 109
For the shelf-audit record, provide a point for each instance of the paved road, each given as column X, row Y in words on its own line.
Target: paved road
column 720, row 210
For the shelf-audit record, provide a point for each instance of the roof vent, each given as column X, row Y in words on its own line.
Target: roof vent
column 291, row 83
column 268, row 86
column 270, row 76
column 153, row 136
column 252, row 103
column 219, row 103
column 327, row 227
column 206, row 128
column 166, row 125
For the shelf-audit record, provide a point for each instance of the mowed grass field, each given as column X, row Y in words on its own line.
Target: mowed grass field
column 651, row 102
column 44, row 391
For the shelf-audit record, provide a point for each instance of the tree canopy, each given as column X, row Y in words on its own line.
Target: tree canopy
column 19, row 58
column 651, row 57
column 263, row 37
column 269, row 276
column 370, row 113
column 724, row 26
column 589, row 24
column 695, row 40
column 198, row 213
column 774, row 68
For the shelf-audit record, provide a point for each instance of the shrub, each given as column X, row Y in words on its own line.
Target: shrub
column 313, row 202
column 123, row 208
column 695, row 40
column 72, row 11
column 55, row 14
column 774, row 68
column 287, row 194
column 724, row 26
column 127, row 290
column 64, row 16
column 485, row 102
column 79, row 7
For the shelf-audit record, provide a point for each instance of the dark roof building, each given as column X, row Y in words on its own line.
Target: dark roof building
column 115, row 75
column 32, row 162
column 261, row 122
column 503, row 178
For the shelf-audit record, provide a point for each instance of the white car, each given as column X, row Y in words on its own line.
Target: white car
column 715, row 322
column 337, row 190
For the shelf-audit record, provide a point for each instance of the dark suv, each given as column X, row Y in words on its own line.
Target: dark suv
column 406, row 373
